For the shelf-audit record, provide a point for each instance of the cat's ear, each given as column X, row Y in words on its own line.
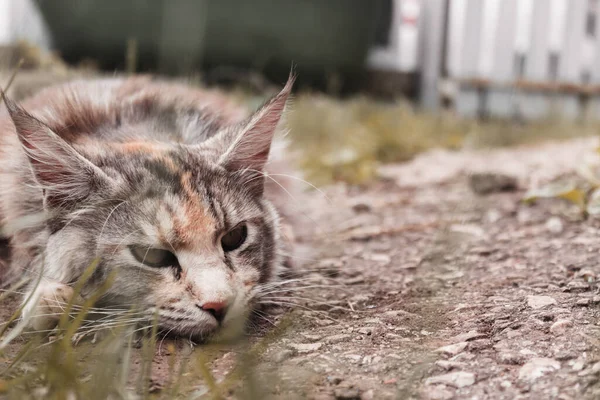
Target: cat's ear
column 64, row 175
column 247, row 148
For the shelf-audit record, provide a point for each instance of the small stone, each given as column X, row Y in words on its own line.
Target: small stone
column 561, row 326
column 453, row 349
column 471, row 335
column 457, row 379
column 537, row 367
column 283, row 355
column 577, row 286
column 511, row 358
column 354, row 357
column 306, row 347
column 324, row 322
column 505, row 384
column 480, row 344
column 437, row 392
column 390, row 381
column 565, row 355
column 381, row 258
column 361, row 207
column 334, row 380
column 578, row 365
column 596, row 299
column 312, row 338
column 347, row 394
column 342, row 337
column 555, row 225
column 486, row 183
column 365, row 331
column 596, row 368
column 493, row 216
column 368, row 395
column 583, row 302
column 449, row 365
column 399, row 313
column 587, row 275
column 537, row 302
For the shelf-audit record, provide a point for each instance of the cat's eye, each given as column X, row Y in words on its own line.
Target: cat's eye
column 234, row 238
column 156, row 258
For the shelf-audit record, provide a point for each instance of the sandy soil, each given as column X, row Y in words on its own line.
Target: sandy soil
column 416, row 287
column 427, row 290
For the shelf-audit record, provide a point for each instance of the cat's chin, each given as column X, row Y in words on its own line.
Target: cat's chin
column 201, row 335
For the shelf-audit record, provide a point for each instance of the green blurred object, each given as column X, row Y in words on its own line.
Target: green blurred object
column 181, row 36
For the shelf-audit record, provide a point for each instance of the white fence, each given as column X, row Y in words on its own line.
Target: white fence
column 507, row 58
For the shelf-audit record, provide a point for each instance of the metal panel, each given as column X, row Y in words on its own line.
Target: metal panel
column 536, row 67
column 504, row 60
column 570, row 66
column 472, row 38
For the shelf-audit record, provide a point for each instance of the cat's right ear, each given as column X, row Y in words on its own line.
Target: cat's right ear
column 64, row 175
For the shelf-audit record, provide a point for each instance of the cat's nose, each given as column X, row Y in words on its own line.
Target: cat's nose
column 217, row 309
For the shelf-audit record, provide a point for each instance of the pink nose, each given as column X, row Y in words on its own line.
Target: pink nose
column 217, row 309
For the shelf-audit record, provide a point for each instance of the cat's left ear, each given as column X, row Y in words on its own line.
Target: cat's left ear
column 65, row 176
column 248, row 148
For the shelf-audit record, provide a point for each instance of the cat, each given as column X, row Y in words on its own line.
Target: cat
column 161, row 184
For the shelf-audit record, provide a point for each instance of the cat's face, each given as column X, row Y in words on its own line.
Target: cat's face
column 185, row 229
column 187, row 239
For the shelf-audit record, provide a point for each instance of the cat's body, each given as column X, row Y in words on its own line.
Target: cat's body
column 163, row 184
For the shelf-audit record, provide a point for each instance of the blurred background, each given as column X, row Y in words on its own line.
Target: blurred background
column 378, row 80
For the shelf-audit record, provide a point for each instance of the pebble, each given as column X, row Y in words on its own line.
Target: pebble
column 324, row 322
column 505, row 384
column 578, row 365
column 306, row 347
column 365, row 331
column 335, row 380
column 471, row 335
column 453, row 349
column 537, row 302
column 555, row 225
column 448, row 365
column 457, row 379
column 437, row 392
column 511, row 358
column 361, row 207
column 480, row 344
column 486, row 182
column 583, row 302
column 283, row 355
column 347, row 394
column 537, row 367
column 577, row 286
column 342, row 337
column 587, row 275
column 561, row 326
column 312, row 338
column 565, row 355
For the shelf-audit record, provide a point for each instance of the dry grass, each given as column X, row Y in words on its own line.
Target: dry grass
column 347, row 139
column 58, row 365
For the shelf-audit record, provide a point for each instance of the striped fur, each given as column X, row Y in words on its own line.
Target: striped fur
column 90, row 168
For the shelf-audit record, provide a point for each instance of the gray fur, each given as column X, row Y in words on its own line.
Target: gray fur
column 120, row 162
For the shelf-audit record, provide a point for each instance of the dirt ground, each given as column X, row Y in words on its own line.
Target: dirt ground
column 427, row 290
column 416, row 287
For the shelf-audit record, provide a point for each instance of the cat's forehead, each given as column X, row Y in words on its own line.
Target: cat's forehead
column 184, row 200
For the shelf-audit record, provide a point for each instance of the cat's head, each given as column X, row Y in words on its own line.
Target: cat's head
column 185, row 228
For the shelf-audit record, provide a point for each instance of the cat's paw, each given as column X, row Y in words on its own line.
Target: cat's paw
column 45, row 308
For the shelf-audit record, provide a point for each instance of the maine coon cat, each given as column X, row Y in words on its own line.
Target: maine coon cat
column 161, row 183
